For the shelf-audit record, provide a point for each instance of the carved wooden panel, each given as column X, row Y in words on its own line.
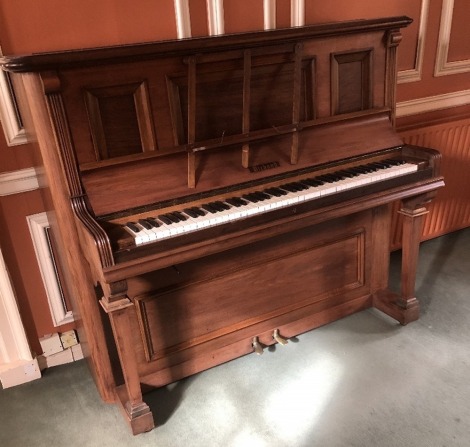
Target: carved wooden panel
column 120, row 120
column 351, row 81
column 279, row 277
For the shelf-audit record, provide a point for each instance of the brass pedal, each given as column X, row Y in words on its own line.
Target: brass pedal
column 279, row 338
column 257, row 346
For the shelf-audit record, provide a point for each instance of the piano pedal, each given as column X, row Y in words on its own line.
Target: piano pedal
column 279, row 338
column 257, row 346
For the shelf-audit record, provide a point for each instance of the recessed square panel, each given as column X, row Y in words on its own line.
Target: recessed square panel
column 351, row 81
column 120, row 120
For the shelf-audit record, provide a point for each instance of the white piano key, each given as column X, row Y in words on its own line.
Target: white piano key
column 139, row 237
column 147, row 235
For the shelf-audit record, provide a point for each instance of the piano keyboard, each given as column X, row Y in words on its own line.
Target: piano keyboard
column 218, row 212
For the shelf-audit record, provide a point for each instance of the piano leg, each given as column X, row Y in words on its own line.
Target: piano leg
column 412, row 226
column 129, row 396
column 405, row 307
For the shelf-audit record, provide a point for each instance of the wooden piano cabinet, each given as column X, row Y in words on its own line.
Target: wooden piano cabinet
column 133, row 132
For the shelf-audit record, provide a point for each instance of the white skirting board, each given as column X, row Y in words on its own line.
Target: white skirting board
column 19, row 372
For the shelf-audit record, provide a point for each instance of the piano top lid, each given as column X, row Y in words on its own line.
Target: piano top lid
column 143, row 51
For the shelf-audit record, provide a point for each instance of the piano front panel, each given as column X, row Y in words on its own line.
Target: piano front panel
column 196, row 309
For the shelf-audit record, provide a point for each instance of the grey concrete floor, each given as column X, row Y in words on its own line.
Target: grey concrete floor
column 362, row 381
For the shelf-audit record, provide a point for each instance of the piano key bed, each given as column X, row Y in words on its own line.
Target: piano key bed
column 193, row 218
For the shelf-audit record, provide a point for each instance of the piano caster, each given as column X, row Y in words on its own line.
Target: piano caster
column 279, row 338
column 257, row 346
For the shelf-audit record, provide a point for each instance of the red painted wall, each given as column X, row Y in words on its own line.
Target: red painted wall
column 33, row 26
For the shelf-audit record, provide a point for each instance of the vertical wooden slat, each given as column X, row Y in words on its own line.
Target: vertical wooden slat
column 246, row 106
column 191, row 121
column 296, row 103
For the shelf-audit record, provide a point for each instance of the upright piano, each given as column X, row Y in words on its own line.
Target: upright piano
column 213, row 196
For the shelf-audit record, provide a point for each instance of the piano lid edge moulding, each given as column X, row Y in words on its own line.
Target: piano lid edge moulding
column 217, row 195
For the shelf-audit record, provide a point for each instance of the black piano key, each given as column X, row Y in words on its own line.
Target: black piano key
column 313, row 182
column 335, row 176
column 305, row 184
column 191, row 213
column 288, row 187
column 362, row 169
column 276, row 192
column 346, row 173
column 223, row 205
column 282, row 191
column 179, row 216
column 394, row 161
column 235, row 201
column 199, row 211
column 294, row 186
column 172, row 217
column 250, row 198
column 241, row 201
column 372, row 166
column 382, row 164
column 209, row 208
column 261, row 195
column 145, row 224
column 132, row 226
column 326, row 178
column 165, row 219
column 152, row 221
column 302, row 186
column 217, row 206
column 352, row 172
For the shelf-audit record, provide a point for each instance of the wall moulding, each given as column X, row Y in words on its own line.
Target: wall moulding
column 39, row 229
column 10, row 117
column 269, row 10
column 443, row 67
column 183, row 19
column 17, row 365
column 431, row 103
column 13, row 342
column 297, row 15
column 215, row 17
column 16, row 182
column 9, row 114
column 414, row 74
